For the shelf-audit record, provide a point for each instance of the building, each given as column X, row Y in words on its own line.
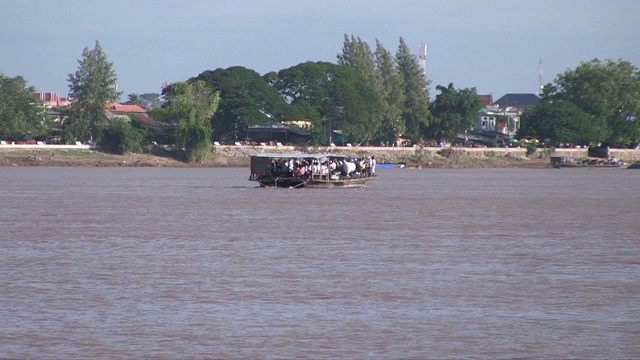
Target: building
column 53, row 100
column 278, row 133
column 117, row 110
column 519, row 101
column 500, row 119
column 512, row 105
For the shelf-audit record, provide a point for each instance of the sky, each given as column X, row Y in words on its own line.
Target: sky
column 495, row 46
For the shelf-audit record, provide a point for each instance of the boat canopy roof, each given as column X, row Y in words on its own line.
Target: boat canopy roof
column 294, row 156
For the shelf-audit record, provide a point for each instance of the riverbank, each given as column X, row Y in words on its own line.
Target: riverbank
column 96, row 158
column 239, row 156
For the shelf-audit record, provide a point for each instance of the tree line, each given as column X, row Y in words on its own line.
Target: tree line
column 597, row 102
column 371, row 95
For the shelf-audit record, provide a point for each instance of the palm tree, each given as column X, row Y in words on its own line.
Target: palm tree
column 134, row 98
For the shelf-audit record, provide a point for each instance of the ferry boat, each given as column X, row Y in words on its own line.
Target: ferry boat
column 308, row 170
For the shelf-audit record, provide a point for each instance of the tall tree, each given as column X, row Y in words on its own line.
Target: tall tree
column 608, row 90
column 357, row 55
column 134, row 98
column 453, row 111
column 392, row 125
column 190, row 105
column 21, row 114
column 333, row 97
column 416, row 94
column 561, row 121
column 246, row 100
column 150, row 100
column 92, row 85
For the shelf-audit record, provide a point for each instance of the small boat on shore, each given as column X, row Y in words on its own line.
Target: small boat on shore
column 635, row 165
column 308, row 170
column 567, row 162
column 390, row 165
column 385, row 165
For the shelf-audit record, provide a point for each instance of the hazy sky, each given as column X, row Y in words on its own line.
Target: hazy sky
column 493, row 45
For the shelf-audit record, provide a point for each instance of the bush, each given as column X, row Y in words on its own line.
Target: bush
column 418, row 155
column 121, row 137
column 493, row 144
column 195, row 137
column 148, row 136
column 531, row 149
column 549, row 151
column 447, row 153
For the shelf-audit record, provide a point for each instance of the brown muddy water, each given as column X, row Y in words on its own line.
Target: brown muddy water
column 199, row 263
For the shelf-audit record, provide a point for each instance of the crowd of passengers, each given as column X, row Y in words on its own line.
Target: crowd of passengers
column 324, row 169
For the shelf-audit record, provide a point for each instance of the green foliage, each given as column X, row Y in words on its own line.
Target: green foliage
column 195, row 136
column 134, row 98
column 357, row 55
column 77, row 125
column 190, row 105
column 453, row 111
column 549, row 151
column 319, row 135
column 92, row 85
column 562, row 121
column 418, row 155
column 609, row 92
column 393, row 125
column 150, row 100
column 531, row 149
column 416, row 94
column 246, row 100
column 68, row 136
column 380, row 70
column 21, row 114
column 120, row 137
column 148, row 136
column 127, row 135
column 332, row 96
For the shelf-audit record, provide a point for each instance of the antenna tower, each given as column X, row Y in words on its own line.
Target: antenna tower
column 423, row 60
column 540, row 77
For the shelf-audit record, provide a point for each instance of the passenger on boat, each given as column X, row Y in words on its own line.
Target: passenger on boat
column 372, row 166
column 324, row 168
column 315, row 168
column 302, row 171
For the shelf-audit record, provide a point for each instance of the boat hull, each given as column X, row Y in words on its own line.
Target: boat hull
column 352, row 183
column 299, row 183
column 282, row 182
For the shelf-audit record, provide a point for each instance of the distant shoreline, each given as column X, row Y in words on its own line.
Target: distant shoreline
column 239, row 156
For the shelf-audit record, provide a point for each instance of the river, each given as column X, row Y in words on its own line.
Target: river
column 432, row 263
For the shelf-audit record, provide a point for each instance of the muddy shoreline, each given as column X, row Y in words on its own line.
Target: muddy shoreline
column 240, row 157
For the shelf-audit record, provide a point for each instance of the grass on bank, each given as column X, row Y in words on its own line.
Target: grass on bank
column 72, row 152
